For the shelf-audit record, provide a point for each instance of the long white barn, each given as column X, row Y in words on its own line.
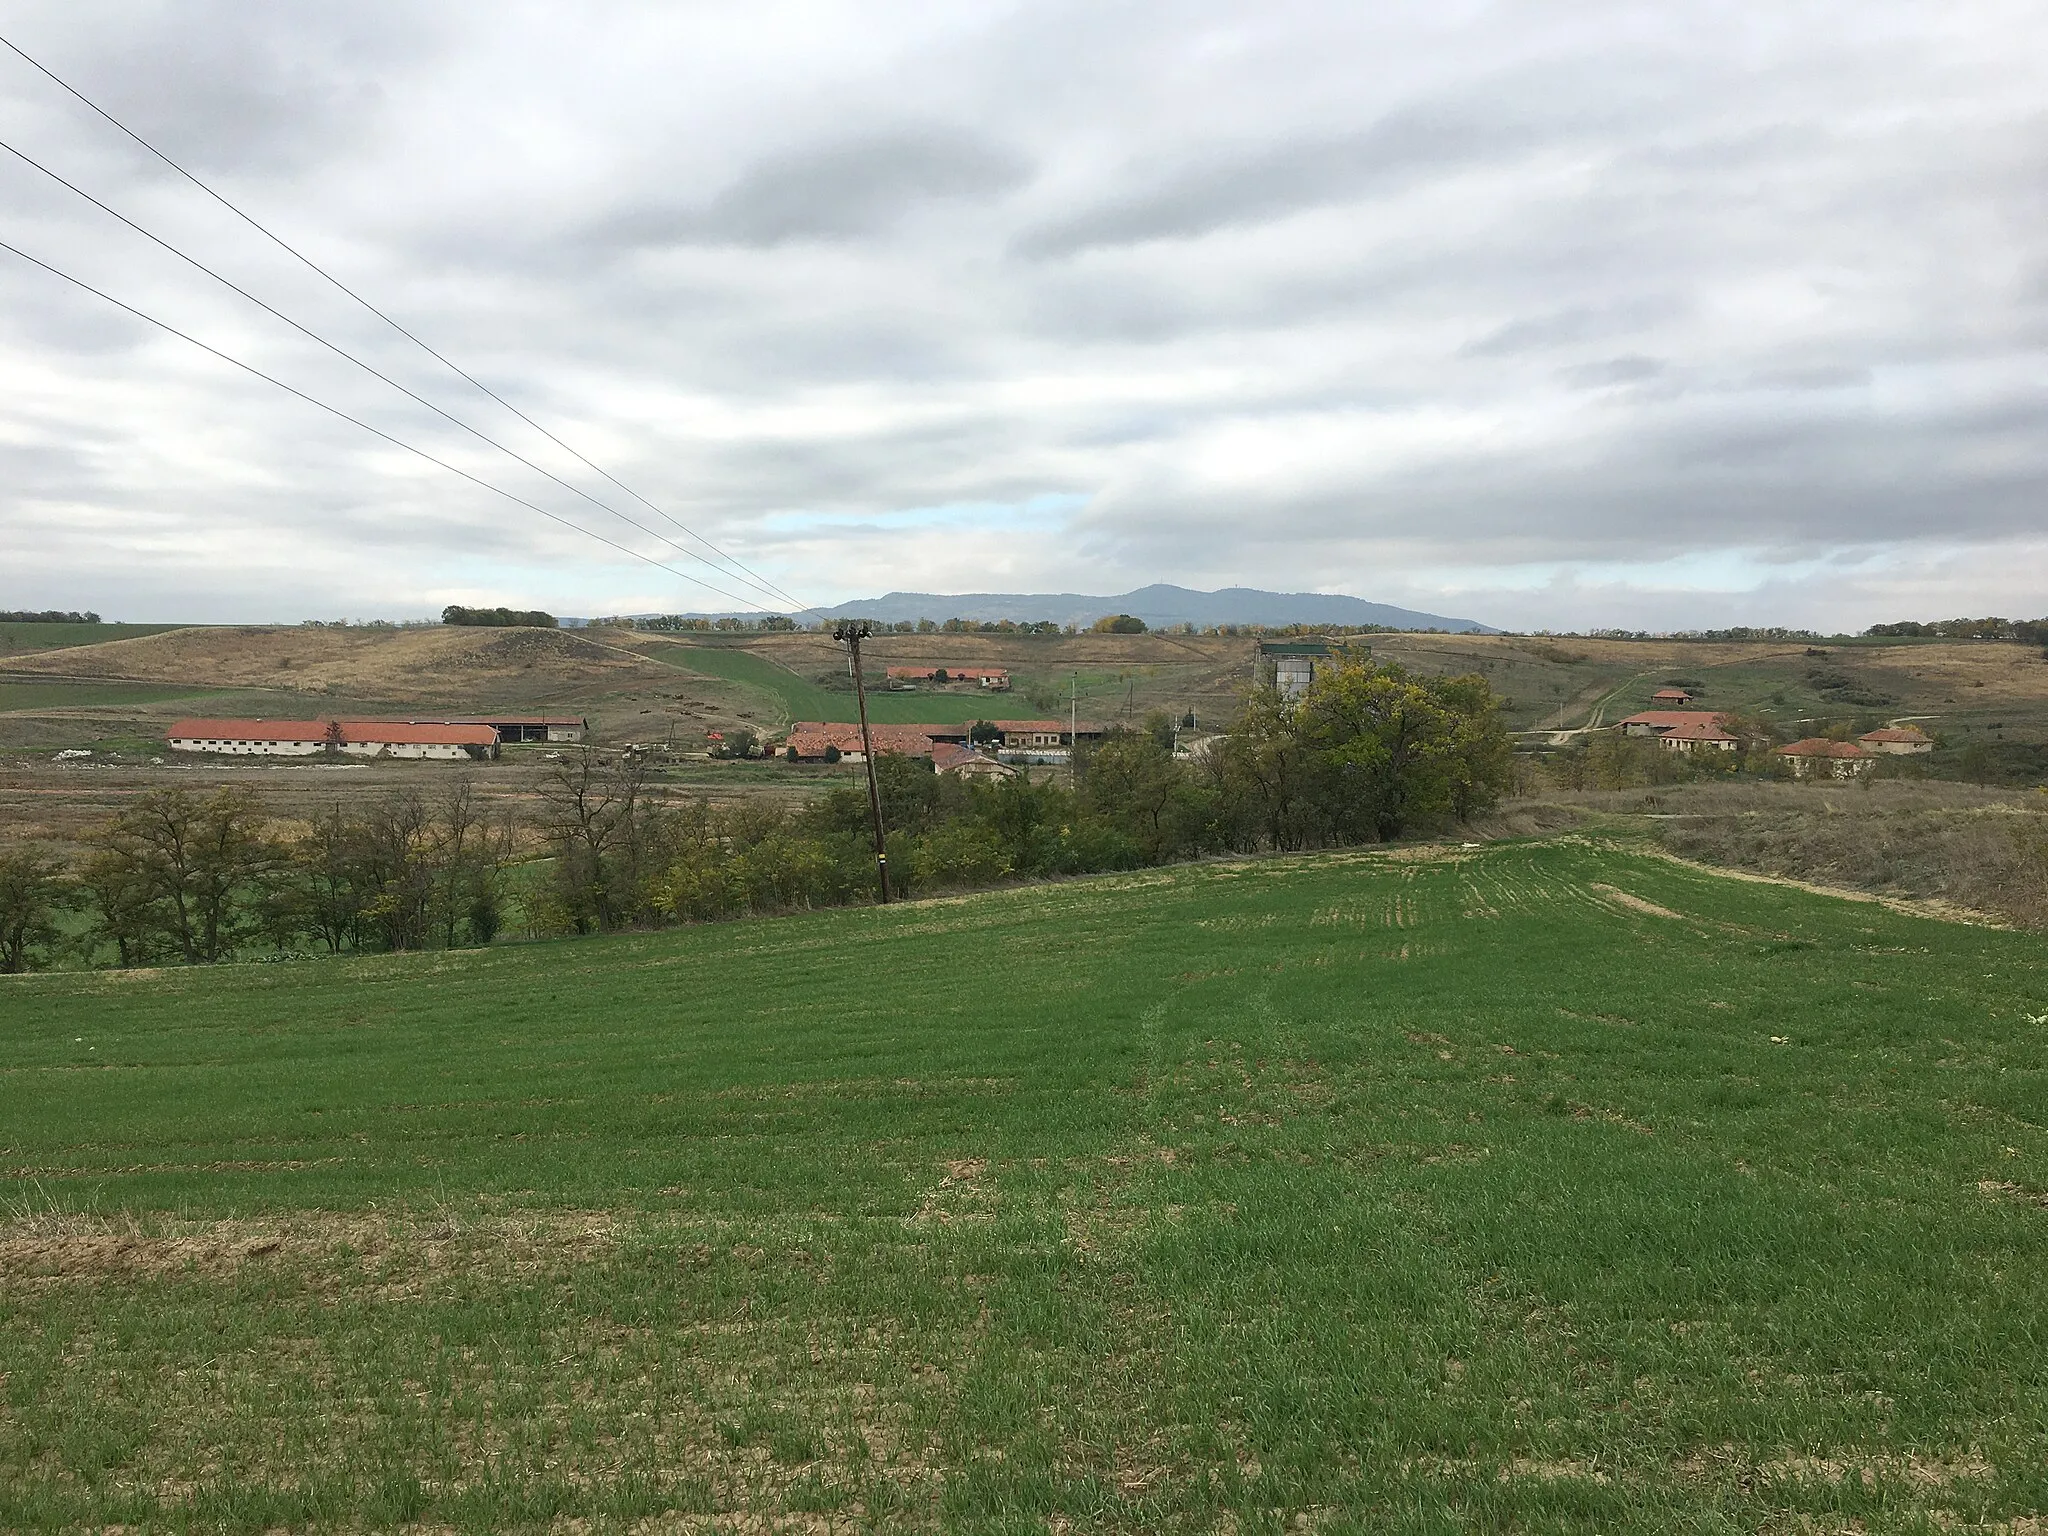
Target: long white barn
column 348, row 738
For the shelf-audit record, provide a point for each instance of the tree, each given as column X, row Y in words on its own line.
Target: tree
column 591, row 818
column 1119, row 624
column 1132, row 784
column 984, row 733
column 33, row 891
column 333, row 739
column 189, row 871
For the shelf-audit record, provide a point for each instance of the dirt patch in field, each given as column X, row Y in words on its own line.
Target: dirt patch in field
column 1635, row 903
column 64, row 1248
column 1934, row 907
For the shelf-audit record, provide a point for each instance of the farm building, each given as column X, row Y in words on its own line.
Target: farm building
column 1655, row 722
column 995, row 679
column 1672, row 698
column 949, row 757
column 1817, row 757
column 345, row 738
column 1897, row 740
column 1291, row 665
column 518, row 728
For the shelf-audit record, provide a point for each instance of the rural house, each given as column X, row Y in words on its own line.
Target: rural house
column 1656, row 722
column 965, row 762
column 812, row 741
column 346, row 738
column 1819, row 758
column 1672, row 698
column 1697, row 736
column 1897, row 740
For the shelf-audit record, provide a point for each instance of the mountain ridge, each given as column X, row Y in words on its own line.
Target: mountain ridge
column 1161, row 604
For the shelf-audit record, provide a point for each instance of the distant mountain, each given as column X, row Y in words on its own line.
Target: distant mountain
column 1158, row 605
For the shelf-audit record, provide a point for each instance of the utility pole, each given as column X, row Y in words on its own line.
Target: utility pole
column 1073, row 729
column 850, row 633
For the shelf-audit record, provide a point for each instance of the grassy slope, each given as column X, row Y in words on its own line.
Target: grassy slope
column 798, row 698
column 15, row 638
column 1406, row 1196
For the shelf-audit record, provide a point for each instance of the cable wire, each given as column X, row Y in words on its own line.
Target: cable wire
column 375, row 373
column 278, row 240
column 354, row 421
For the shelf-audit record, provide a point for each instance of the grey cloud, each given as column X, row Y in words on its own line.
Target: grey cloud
column 1615, row 370
column 1251, row 186
column 1584, row 284
column 834, row 191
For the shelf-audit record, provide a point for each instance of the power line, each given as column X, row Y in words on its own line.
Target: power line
column 771, row 594
column 745, row 571
column 353, row 421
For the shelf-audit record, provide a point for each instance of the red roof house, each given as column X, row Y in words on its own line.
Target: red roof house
column 1819, row 757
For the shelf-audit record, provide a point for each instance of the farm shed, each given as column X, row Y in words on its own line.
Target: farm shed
column 517, row 728
column 346, row 738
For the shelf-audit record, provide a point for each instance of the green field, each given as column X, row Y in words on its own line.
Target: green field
column 46, row 637
column 64, row 693
column 798, row 698
column 1539, row 1188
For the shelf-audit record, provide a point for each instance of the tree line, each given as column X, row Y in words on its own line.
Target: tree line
column 1368, row 754
column 46, row 616
column 498, row 618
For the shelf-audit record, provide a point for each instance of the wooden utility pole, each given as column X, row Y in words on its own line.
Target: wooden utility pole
column 850, row 633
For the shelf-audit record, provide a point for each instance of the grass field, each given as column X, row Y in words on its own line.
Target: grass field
column 1539, row 1188
column 796, row 697
column 45, row 637
column 23, row 695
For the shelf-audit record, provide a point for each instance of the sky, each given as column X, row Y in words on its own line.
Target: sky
column 1550, row 315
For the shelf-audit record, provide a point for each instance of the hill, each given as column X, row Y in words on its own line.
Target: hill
column 1535, row 1188
column 1158, row 605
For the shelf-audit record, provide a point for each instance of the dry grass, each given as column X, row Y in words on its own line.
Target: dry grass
column 1950, row 848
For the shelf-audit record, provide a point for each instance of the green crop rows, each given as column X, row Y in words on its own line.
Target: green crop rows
column 1536, row 1188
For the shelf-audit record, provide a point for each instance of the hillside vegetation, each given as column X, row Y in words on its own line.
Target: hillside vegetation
column 1542, row 1188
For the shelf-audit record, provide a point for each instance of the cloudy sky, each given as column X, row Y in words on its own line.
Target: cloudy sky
column 1551, row 314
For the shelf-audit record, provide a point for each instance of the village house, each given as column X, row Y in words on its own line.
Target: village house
column 343, row 738
column 1672, row 698
column 1817, row 757
column 1897, row 740
column 1697, row 736
column 811, row 741
column 966, row 763
column 1656, row 722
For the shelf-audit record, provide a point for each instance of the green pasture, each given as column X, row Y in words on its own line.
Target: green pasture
column 20, row 694
column 796, row 697
column 1538, row 1188
column 46, row 637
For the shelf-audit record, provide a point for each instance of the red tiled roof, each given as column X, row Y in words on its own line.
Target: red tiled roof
column 1705, row 730
column 811, row 738
column 388, row 732
column 948, row 755
column 1896, row 733
column 1821, row 746
column 1678, row 694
